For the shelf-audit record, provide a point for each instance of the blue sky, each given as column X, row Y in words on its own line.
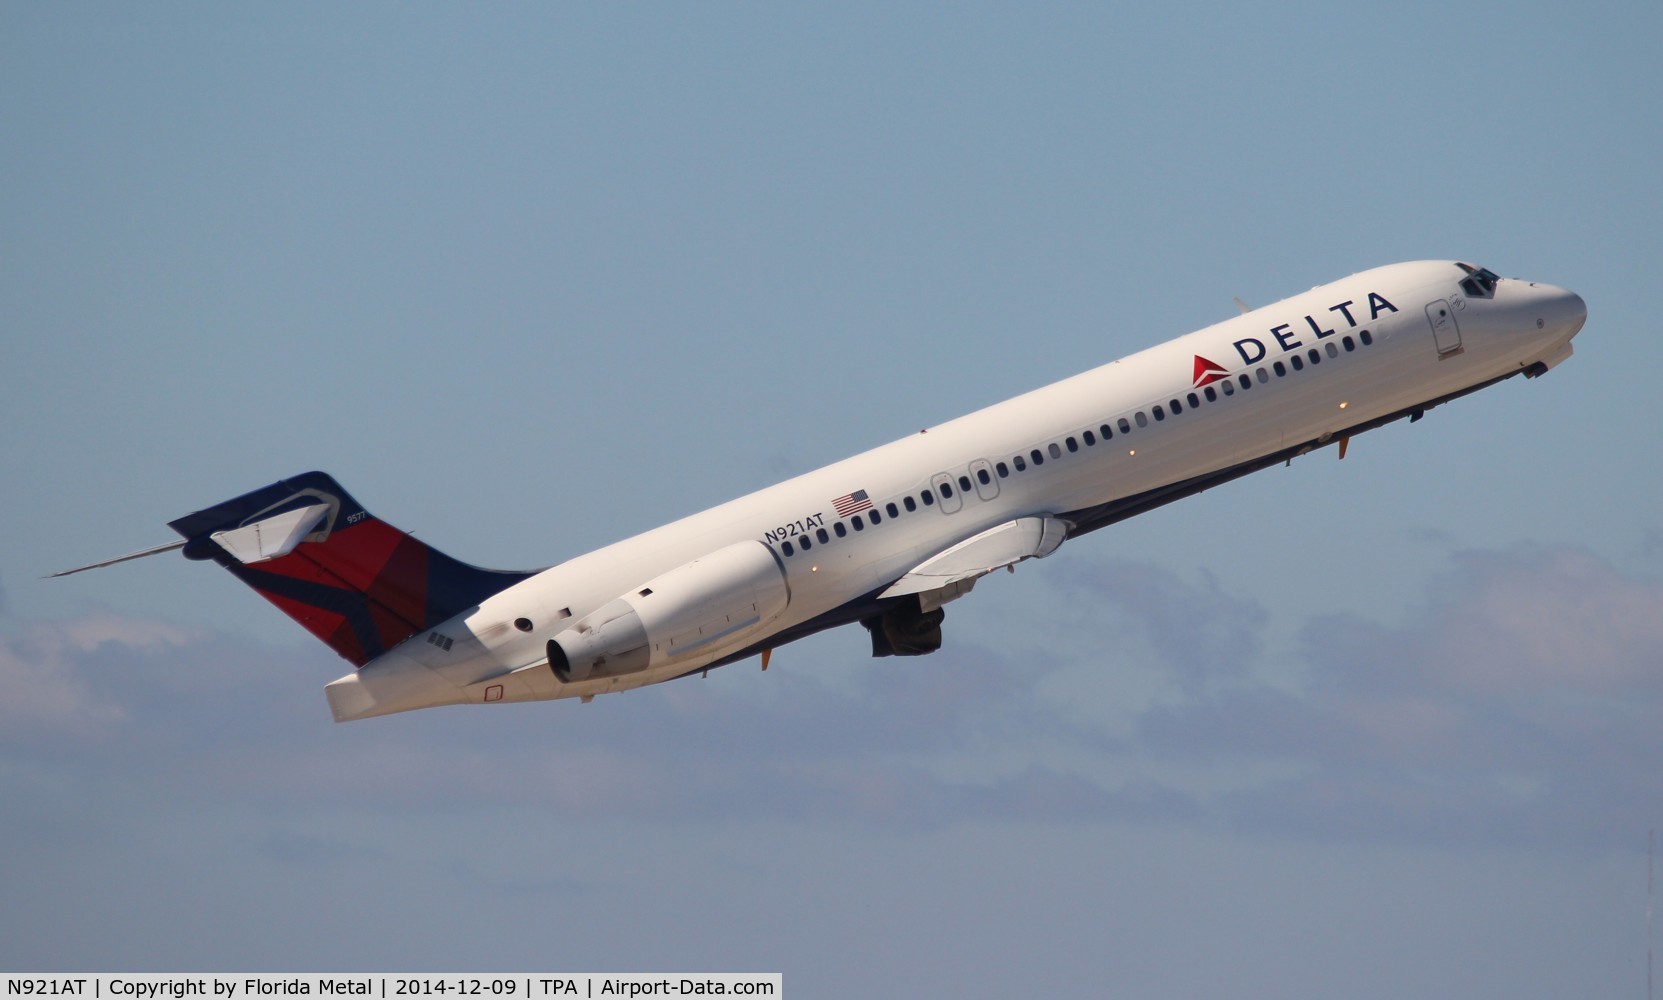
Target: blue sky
column 529, row 279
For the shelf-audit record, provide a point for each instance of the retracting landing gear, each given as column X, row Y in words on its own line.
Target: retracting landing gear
column 906, row 629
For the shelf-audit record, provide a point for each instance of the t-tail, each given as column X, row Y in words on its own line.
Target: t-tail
column 353, row 580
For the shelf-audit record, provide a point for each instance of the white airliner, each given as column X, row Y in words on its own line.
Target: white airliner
column 889, row 536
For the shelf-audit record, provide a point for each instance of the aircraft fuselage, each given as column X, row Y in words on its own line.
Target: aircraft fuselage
column 872, row 538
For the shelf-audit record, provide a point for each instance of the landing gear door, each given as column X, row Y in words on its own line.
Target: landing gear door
column 1445, row 333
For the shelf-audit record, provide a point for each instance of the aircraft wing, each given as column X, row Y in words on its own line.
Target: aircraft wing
column 952, row 572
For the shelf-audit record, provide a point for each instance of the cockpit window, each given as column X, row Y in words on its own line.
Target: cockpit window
column 1480, row 282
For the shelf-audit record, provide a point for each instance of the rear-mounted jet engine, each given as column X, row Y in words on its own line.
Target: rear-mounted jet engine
column 713, row 604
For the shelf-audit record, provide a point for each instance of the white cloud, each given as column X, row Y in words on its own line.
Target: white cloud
column 44, row 683
column 1559, row 621
column 1518, row 700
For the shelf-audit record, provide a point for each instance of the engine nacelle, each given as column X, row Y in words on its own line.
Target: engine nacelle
column 716, row 602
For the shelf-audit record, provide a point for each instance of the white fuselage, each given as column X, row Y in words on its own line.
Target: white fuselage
column 1215, row 400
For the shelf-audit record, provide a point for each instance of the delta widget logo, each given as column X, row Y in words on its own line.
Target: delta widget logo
column 1208, row 372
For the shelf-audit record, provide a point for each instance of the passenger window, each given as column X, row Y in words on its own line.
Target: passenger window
column 841, row 531
column 1142, row 420
column 1177, row 407
column 1055, row 451
column 1072, row 445
column 820, row 533
column 1264, row 376
column 892, row 511
column 1089, row 438
column 1367, row 338
column 964, row 483
column 982, row 477
column 857, row 523
column 1037, row 457
column 927, row 497
column 910, row 504
column 1298, row 365
column 1333, row 351
column 807, row 544
column 1017, row 461
column 1315, row 356
column 1246, row 382
column 877, row 518
column 1195, row 403
column 946, row 492
column 1228, row 386
column 1212, row 397
column 1160, row 414
column 1281, row 369
column 1350, row 345
column 1107, row 433
column 1003, row 470
column 787, row 549
column 1125, row 428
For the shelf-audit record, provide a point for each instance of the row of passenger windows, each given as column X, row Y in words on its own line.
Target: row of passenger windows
column 1105, row 432
column 876, row 516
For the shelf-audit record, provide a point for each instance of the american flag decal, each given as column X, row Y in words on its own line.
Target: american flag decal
column 851, row 503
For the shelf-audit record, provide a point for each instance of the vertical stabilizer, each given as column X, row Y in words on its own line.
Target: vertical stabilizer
column 353, row 580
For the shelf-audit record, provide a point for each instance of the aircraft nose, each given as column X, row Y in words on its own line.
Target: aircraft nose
column 1559, row 312
column 1567, row 311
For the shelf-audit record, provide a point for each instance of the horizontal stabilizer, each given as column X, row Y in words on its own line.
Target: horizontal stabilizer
column 158, row 550
column 1003, row 545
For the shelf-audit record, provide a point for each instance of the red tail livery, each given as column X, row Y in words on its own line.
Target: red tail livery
column 353, row 580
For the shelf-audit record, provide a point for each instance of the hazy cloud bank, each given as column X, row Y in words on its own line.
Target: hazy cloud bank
column 1516, row 700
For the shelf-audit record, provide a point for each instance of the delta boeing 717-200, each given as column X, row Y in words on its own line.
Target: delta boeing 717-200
column 885, row 538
